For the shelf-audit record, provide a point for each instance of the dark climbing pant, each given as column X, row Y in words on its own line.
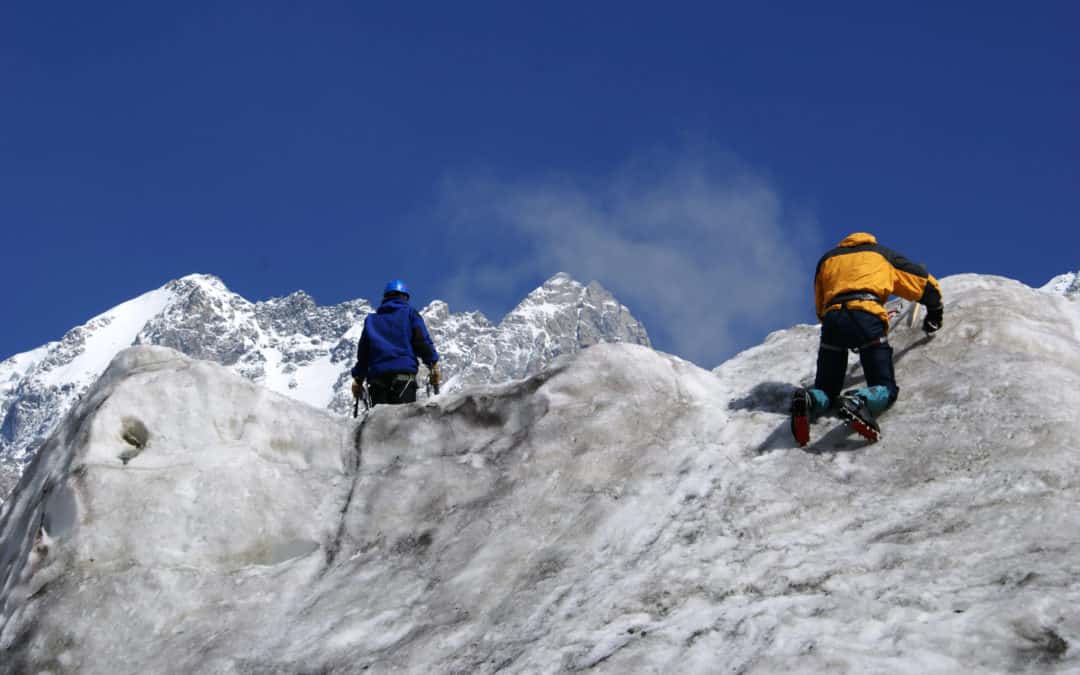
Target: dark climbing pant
column 392, row 388
column 846, row 329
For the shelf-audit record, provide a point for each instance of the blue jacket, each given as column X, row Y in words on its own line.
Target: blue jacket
column 394, row 336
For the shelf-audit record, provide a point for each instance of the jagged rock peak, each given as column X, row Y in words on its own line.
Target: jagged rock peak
column 438, row 311
column 560, row 317
column 561, row 283
column 436, row 308
column 299, row 301
column 560, row 279
column 563, row 289
column 198, row 281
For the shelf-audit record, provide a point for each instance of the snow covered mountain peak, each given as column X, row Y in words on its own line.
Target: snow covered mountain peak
column 437, row 310
column 560, row 286
column 560, row 317
column 559, row 280
column 207, row 281
column 591, row 517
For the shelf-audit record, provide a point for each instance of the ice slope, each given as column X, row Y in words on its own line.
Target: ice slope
column 592, row 517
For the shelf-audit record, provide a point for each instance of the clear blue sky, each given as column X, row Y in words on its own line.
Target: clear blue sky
column 696, row 158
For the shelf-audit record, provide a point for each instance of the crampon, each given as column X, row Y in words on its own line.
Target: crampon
column 855, row 411
column 800, row 416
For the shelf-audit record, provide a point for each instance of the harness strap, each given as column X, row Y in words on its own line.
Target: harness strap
column 883, row 340
column 851, row 296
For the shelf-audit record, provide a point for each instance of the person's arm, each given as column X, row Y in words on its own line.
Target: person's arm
column 931, row 295
column 819, row 298
column 359, row 371
column 912, row 282
column 421, row 340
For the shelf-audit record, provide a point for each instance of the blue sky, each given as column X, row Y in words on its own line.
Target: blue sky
column 695, row 158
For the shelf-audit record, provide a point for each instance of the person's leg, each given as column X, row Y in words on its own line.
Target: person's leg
column 831, row 361
column 807, row 404
column 392, row 389
column 880, row 391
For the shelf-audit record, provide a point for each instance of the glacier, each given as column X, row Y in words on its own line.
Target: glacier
column 293, row 346
column 618, row 511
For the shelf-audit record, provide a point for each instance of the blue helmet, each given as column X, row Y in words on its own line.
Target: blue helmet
column 396, row 286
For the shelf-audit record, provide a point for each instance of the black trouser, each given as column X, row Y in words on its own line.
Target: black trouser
column 392, row 388
column 846, row 329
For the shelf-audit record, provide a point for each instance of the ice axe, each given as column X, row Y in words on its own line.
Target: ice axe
column 434, row 379
column 912, row 318
column 915, row 320
column 365, row 397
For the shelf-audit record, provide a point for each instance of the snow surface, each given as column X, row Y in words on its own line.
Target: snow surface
column 646, row 519
column 1063, row 284
column 12, row 372
column 17, row 366
column 111, row 332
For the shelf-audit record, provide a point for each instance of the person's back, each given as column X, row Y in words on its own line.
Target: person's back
column 859, row 264
column 394, row 338
column 851, row 284
column 389, row 333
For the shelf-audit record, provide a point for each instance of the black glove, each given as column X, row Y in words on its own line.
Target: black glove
column 932, row 323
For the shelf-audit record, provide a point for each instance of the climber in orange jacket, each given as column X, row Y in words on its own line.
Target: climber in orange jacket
column 851, row 285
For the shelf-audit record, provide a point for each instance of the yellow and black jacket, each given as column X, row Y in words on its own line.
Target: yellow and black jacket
column 860, row 266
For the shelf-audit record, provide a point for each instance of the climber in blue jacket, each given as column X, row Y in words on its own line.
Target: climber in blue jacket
column 395, row 337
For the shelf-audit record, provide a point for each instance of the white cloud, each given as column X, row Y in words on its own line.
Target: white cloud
column 698, row 247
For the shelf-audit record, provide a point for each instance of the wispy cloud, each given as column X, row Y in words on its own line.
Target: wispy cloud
column 699, row 247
